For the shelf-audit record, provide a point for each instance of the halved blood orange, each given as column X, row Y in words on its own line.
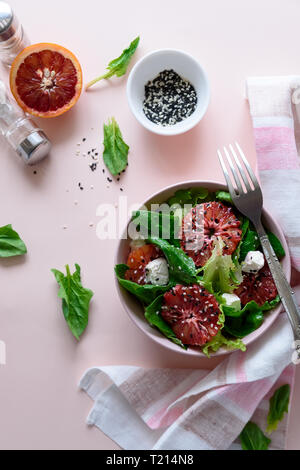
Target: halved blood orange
column 46, row 80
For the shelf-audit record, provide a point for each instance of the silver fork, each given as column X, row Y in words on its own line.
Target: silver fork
column 247, row 197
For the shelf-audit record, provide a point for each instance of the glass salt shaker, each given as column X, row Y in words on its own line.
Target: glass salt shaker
column 29, row 141
column 12, row 37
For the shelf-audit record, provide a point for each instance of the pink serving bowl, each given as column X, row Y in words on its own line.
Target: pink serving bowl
column 135, row 309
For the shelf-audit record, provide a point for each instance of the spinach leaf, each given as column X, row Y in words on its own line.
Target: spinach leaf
column 276, row 245
column 153, row 316
column 250, row 242
column 181, row 267
column 146, row 293
column 252, row 438
column 224, row 196
column 191, row 196
column 10, row 243
column 251, row 306
column 241, row 326
column 158, row 225
column 115, row 150
column 240, row 323
column 279, row 404
column 75, row 299
column 118, row 66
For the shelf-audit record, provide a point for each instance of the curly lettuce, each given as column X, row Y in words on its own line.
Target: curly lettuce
column 220, row 274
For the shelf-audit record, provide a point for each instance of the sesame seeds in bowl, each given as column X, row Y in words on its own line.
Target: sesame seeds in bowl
column 168, row 92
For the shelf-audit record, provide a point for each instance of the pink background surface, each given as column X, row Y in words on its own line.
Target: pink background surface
column 40, row 405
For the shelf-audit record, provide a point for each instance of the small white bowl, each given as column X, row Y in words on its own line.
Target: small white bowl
column 148, row 68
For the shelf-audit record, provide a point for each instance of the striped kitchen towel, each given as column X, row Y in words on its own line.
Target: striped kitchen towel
column 275, row 110
column 188, row 409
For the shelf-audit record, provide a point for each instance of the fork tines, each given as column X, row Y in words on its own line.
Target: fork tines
column 245, row 181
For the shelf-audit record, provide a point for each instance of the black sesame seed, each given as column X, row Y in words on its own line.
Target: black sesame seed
column 169, row 98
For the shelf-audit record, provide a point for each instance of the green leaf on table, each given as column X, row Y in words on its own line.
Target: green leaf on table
column 10, row 243
column 119, row 65
column 279, row 404
column 115, row 154
column 145, row 293
column 75, row 299
column 252, row 438
column 181, row 267
column 153, row 316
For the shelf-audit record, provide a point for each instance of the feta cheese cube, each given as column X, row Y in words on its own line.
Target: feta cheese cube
column 232, row 300
column 157, row 272
column 253, row 262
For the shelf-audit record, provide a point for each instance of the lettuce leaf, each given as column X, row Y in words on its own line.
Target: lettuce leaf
column 217, row 272
column 220, row 340
column 146, row 293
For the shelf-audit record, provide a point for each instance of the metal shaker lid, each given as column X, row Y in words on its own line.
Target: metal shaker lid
column 34, row 147
column 7, row 22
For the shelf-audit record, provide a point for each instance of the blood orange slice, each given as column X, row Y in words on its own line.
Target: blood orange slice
column 138, row 260
column 259, row 287
column 46, row 80
column 203, row 224
column 193, row 314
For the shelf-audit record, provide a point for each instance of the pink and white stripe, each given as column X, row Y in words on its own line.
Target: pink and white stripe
column 276, row 130
column 191, row 409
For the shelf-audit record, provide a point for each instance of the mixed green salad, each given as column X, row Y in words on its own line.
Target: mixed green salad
column 196, row 265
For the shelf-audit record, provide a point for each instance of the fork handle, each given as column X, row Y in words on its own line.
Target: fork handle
column 285, row 291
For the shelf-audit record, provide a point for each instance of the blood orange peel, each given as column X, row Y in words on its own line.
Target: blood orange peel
column 46, row 80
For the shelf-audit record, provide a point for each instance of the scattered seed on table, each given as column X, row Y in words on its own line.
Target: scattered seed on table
column 34, row 172
column 91, row 224
column 65, row 227
column 93, row 166
column 84, row 139
column 169, row 98
column 121, row 189
column 103, row 171
column 109, row 180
